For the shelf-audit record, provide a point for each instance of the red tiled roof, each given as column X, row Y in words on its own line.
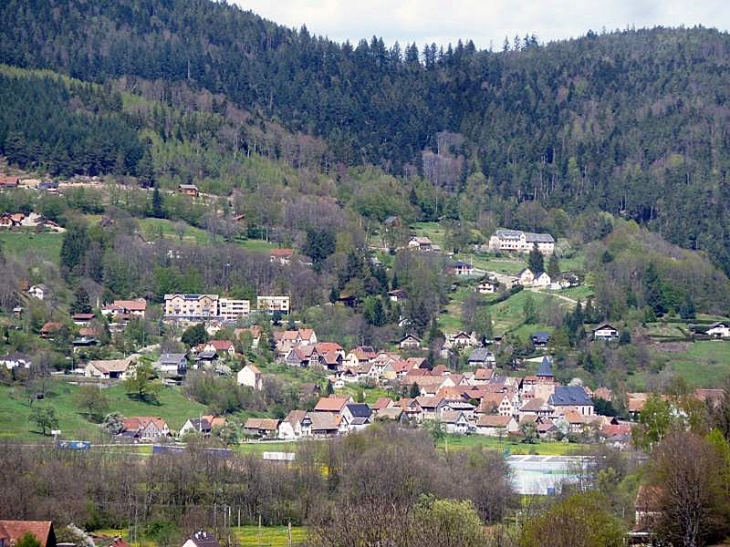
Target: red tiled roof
column 282, row 253
column 221, row 345
column 491, row 420
column 334, row 403
column 16, row 529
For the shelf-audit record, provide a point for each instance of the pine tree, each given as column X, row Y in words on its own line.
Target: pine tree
column 553, row 267
column 536, row 261
column 81, row 303
column 73, row 248
column 158, row 210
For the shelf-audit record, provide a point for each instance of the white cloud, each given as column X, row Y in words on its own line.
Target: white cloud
column 426, row 21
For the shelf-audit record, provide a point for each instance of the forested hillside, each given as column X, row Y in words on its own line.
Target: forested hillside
column 634, row 122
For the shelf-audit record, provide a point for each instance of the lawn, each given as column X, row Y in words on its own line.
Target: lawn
column 25, row 243
column 431, row 230
column 463, row 442
column 581, row 293
column 269, row 536
column 702, row 364
column 502, row 265
column 153, row 228
column 15, row 421
column 509, row 314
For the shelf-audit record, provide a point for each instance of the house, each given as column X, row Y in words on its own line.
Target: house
column 605, row 333
column 719, row 330
column 126, row 309
column 49, row 328
column 571, row 398
column 172, row 363
column 254, row 331
column 382, row 403
column 393, row 222
column 481, row 358
column 391, row 414
column 251, row 376
column 398, row 295
column 422, row 244
column 271, row 304
column 15, row 360
column 357, row 416
column 261, row 427
column 540, row 339
column 281, row 256
column 201, row 539
column 8, row 182
column 536, row 407
column 50, row 186
column 188, row 190
column 8, row 220
column 203, row 425
column 290, row 428
column 455, row 422
column 361, row 355
column 487, row 286
column 226, row 348
column 432, row 406
column 492, row 425
column 462, row 269
column 145, row 428
column 111, row 369
column 334, row 404
column 459, row 340
column 410, row 342
column 482, row 376
column 521, row 242
column 526, row 277
column 82, row 319
column 323, row 424
column 38, row 291
column 11, row 531
column 542, row 279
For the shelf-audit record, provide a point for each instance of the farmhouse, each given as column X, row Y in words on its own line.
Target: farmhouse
column 605, row 333
column 487, row 286
column 462, row 269
column 188, row 190
column 281, row 256
column 111, row 369
column 719, row 330
column 126, row 309
column 422, row 244
column 145, row 427
column 409, row 342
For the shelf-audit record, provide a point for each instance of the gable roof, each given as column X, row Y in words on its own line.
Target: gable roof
column 541, row 337
column 481, row 354
column 570, row 395
column 204, row 539
column 113, row 365
column 136, row 423
column 172, row 358
column 16, row 529
column 493, row 420
column 295, row 416
column 382, row 402
column 333, row 403
column 359, row 410
column 221, row 345
column 324, row 421
column 266, row 424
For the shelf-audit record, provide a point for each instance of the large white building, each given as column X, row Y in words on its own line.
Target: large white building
column 191, row 306
column 232, row 310
column 270, row 304
column 521, row 242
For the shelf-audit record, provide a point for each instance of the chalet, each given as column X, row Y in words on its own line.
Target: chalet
column 605, row 333
column 526, row 277
column 203, row 425
column 172, row 363
column 492, row 425
column 357, row 416
column 12, row 531
column 49, row 329
column 487, row 286
column 719, row 330
column 188, row 190
column 540, row 339
column 522, row 242
column 410, row 342
column 281, row 256
column 323, row 424
column 459, row 340
column 261, row 427
column 145, row 428
column 8, row 220
column 251, row 376
column 481, row 358
column 393, row 222
column 571, row 398
column 461, row 268
column 290, row 428
column 360, row 356
column 300, row 356
column 82, row 319
column 201, row 539
column 9, row 182
column 455, row 422
column 422, row 244
column 38, row 291
column 398, row 295
column 15, row 360
column 111, row 369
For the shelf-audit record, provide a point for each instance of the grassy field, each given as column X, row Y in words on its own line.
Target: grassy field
column 702, row 364
column 25, row 243
column 462, row 442
column 509, row 315
column 15, row 411
column 269, row 536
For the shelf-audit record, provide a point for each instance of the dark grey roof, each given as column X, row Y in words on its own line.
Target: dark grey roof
column 172, row 358
column 201, row 425
column 508, row 234
column 204, row 539
column 481, row 354
column 541, row 337
column 570, row 395
column 538, row 238
column 545, row 369
column 359, row 410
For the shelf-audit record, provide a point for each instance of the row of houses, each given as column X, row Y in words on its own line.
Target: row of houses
column 31, row 220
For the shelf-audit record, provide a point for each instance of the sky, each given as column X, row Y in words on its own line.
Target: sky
column 487, row 22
